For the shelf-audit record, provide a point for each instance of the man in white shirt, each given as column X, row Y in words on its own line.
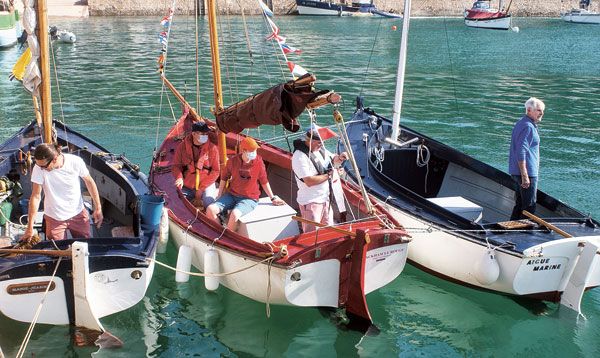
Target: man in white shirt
column 58, row 174
column 314, row 166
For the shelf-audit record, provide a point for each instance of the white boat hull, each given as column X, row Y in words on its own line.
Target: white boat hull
column 543, row 271
column 109, row 292
column 8, row 37
column 496, row 24
column 319, row 281
column 582, row 18
column 315, row 11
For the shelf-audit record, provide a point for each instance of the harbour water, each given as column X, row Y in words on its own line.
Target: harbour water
column 464, row 86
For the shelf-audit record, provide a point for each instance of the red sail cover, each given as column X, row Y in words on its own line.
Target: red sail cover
column 280, row 104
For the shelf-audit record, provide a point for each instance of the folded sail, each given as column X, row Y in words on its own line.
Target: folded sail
column 280, row 104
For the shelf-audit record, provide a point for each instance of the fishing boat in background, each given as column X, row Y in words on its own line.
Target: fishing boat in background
column 268, row 259
column 70, row 281
column 483, row 16
column 457, row 210
column 10, row 28
column 328, row 8
column 582, row 15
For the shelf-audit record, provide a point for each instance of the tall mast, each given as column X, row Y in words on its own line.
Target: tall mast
column 401, row 70
column 46, row 98
column 216, row 69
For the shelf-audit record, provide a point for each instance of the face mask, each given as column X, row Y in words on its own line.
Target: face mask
column 203, row 139
column 251, row 155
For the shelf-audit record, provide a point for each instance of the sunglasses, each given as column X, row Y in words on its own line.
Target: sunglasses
column 47, row 164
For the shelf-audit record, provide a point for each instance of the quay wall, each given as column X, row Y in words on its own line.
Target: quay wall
column 444, row 8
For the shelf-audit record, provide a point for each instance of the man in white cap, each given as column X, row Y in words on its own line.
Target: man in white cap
column 314, row 167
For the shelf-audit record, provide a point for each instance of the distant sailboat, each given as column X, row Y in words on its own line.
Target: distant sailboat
column 483, row 16
column 581, row 15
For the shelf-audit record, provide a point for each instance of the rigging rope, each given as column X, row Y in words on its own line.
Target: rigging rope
column 62, row 114
column 460, row 127
column 370, row 57
column 37, row 313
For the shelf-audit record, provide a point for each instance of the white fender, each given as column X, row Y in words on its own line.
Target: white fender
column 487, row 269
column 184, row 263
column 163, row 232
column 211, row 265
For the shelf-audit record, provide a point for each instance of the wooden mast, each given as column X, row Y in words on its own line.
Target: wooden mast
column 216, row 69
column 46, row 98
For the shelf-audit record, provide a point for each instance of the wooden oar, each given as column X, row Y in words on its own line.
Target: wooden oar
column 64, row 253
column 318, row 224
column 546, row 224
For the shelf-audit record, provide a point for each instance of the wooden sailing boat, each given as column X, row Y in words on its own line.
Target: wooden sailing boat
column 459, row 209
column 80, row 280
column 483, row 16
column 270, row 260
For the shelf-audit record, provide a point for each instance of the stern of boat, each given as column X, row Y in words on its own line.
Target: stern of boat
column 566, row 267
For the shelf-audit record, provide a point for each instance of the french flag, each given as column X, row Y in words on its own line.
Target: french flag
column 289, row 49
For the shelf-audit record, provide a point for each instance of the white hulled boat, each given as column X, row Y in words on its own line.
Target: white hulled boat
column 458, row 210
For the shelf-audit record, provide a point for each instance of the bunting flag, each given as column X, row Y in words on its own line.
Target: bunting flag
column 265, row 9
column 289, row 49
column 296, row 70
column 275, row 34
column 163, row 38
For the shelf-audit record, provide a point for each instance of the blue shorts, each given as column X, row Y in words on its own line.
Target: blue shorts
column 243, row 204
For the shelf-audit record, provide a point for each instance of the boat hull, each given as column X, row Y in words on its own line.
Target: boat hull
column 110, row 291
column 323, row 8
column 455, row 259
column 581, row 18
column 502, row 23
column 319, row 283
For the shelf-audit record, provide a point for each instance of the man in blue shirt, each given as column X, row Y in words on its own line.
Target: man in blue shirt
column 524, row 157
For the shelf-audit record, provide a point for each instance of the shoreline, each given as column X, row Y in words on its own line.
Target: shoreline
column 420, row 8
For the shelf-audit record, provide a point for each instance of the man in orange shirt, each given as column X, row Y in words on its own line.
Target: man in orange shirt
column 246, row 170
column 196, row 166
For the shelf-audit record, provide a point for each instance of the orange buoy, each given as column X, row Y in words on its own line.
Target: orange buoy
column 394, row 28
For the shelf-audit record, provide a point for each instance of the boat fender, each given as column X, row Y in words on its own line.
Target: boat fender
column 163, row 232
column 487, row 269
column 184, row 263
column 211, row 265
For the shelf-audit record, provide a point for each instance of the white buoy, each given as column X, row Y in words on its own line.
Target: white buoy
column 184, row 263
column 487, row 269
column 163, row 232
column 515, row 28
column 211, row 265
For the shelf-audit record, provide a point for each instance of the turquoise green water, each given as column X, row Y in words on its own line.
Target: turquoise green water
column 463, row 86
